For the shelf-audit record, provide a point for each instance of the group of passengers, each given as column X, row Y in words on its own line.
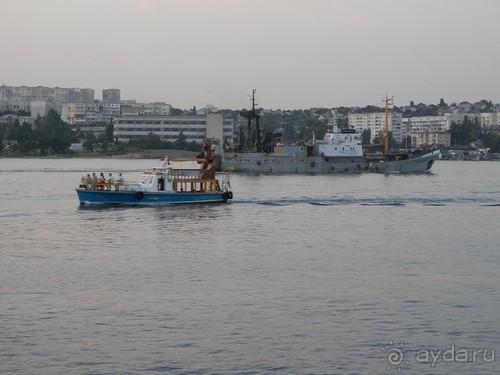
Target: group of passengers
column 95, row 182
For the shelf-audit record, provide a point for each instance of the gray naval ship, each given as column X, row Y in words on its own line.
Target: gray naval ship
column 340, row 151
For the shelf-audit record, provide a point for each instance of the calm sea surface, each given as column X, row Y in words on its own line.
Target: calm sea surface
column 364, row 274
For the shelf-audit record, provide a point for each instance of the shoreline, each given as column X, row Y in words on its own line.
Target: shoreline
column 149, row 154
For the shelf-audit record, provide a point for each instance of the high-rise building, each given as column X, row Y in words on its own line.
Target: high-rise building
column 111, row 96
column 376, row 122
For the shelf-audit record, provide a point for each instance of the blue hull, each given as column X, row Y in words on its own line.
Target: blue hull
column 148, row 198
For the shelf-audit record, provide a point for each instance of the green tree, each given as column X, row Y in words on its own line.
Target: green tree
column 465, row 133
column 442, row 104
column 103, row 139
column 90, row 142
column 175, row 111
column 109, row 132
column 491, row 141
column 181, row 142
column 52, row 134
column 150, row 141
column 366, row 136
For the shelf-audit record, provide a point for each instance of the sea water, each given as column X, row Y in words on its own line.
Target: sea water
column 298, row 274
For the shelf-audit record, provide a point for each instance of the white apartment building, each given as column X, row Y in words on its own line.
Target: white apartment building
column 435, row 124
column 490, row 119
column 131, row 108
column 42, row 107
column 376, row 122
column 17, row 104
column 419, row 139
column 40, row 93
column 425, row 124
column 154, row 109
column 85, row 113
column 168, row 128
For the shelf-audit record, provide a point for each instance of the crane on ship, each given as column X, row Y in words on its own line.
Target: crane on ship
column 387, row 102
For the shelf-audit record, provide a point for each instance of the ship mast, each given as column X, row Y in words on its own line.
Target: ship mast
column 388, row 102
column 250, row 115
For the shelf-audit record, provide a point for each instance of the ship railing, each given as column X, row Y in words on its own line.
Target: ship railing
column 195, row 186
column 191, row 174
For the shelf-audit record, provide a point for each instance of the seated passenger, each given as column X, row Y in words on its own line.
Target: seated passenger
column 82, row 183
column 88, row 182
column 110, row 182
column 93, row 184
column 101, row 182
column 119, row 182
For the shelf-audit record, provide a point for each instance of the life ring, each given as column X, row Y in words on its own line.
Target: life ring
column 228, row 195
column 139, row 195
column 313, row 164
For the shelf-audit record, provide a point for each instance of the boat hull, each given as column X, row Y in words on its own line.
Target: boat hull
column 274, row 163
column 417, row 164
column 148, row 198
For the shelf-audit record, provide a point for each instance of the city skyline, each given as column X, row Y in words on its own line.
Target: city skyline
column 296, row 54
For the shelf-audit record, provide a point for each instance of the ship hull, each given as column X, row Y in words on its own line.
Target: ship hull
column 148, row 198
column 416, row 164
column 253, row 162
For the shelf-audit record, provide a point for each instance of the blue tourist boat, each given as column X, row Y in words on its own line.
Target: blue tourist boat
column 171, row 182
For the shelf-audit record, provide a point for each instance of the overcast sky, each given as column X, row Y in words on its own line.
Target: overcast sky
column 295, row 53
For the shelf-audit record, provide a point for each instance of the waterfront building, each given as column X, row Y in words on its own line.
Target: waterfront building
column 169, row 128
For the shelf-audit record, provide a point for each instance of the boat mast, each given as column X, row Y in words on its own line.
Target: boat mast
column 388, row 101
column 250, row 115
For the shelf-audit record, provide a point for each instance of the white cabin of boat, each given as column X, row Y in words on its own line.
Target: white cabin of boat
column 180, row 176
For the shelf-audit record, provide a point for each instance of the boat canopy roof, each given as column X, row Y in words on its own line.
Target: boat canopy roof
column 180, row 163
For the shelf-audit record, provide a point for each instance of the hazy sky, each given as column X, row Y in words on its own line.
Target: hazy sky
column 296, row 53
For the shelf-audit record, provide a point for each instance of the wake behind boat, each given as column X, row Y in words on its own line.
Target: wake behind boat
column 171, row 182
